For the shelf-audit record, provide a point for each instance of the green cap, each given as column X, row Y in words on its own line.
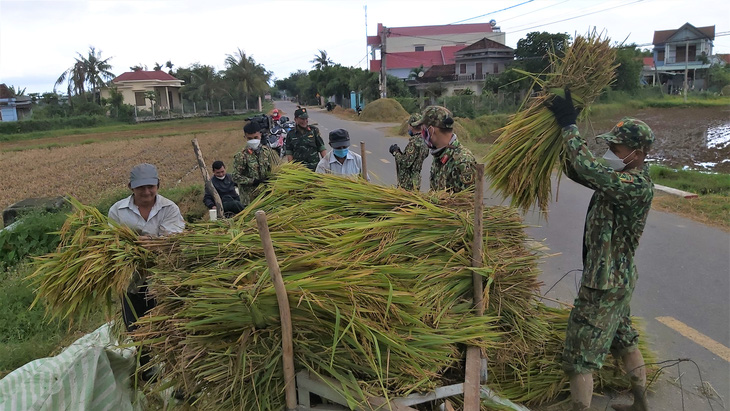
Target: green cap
column 436, row 116
column 631, row 132
column 301, row 113
column 414, row 120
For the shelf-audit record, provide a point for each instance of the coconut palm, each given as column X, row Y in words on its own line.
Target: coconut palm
column 321, row 61
column 97, row 70
column 205, row 84
column 245, row 75
column 76, row 76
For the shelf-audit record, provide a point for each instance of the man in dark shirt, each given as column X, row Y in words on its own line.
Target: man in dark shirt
column 226, row 189
column 304, row 144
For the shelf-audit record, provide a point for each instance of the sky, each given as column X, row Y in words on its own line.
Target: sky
column 40, row 39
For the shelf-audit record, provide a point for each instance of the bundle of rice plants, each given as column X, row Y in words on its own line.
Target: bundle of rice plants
column 524, row 155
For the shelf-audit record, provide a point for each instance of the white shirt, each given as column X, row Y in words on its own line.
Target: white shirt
column 164, row 218
column 351, row 167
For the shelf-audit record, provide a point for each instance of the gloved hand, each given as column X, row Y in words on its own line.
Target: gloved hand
column 256, row 182
column 563, row 109
column 393, row 149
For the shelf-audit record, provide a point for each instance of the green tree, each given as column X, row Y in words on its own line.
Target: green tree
column 321, row 61
column 16, row 91
column 628, row 72
column 98, row 70
column 205, row 84
column 718, row 77
column 532, row 51
column 245, row 77
column 75, row 76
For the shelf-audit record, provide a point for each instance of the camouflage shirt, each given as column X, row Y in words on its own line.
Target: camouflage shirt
column 305, row 147
column 409, row 163
column 250, row 165
column 616, row 214
column 453, row 168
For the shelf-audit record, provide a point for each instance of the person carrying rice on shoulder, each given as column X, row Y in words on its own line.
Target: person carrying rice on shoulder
column 601, row 318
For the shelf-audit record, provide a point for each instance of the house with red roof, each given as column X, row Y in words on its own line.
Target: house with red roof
column 408, row 48
column 686, row 48
column 135, row 84
column 472, row 64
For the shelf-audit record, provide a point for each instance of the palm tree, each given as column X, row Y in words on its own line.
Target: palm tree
column 321, row 61
column 97, row 70
column 204, row 84
column 76, row 76
column 247, row 77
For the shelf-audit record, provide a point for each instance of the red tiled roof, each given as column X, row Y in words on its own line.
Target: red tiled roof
column 485, row 43
column 661, row 36
column 411, row 59
column 145, row 75
column 724, row 57
column 448, row 53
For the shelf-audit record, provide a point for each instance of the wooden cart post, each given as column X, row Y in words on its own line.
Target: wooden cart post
column 364, row 161
column 284, row 312
column 206, row 178
column 475, row 372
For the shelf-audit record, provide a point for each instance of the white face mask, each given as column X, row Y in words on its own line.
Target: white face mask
column 253, row 144
column 221, row 178
column 613, row 161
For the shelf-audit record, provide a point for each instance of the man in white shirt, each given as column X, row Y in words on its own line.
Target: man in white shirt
column 150, row 215
column 340, row 160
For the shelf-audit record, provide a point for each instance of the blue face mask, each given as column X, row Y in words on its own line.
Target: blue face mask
column 340, row 152
column 410, row 133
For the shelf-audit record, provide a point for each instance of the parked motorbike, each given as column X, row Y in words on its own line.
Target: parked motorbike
column 276, row 138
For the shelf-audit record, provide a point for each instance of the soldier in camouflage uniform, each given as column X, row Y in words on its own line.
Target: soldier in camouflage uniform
column 304, row 144
column 601, row 319
column 454, row 166
column 253, row 164
column 408, row 165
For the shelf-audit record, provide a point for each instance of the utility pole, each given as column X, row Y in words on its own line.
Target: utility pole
column 367, row 60
column 686, row 63
column 383, row 72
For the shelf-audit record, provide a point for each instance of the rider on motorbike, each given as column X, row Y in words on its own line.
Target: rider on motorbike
column 275, row 115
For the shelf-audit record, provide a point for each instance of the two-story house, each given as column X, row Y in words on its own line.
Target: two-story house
column 687, row 48
column 471, row 67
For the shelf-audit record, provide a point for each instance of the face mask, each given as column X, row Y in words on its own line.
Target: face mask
column 220, row 178
column 427, row 137
column 613, row 161
column 410, row 133
column 253, row 144
column 340, row 152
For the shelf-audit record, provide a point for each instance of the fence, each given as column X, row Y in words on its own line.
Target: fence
column 191, row 109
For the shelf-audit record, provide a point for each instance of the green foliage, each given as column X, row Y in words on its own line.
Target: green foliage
column 532, row 50
column 34, row 234
column 510, row 81
column 337, row 80
column 692, row 181
column 719, row 77
column 628, row 73
column 397, row 87
column 409, row 104
column 27, row 126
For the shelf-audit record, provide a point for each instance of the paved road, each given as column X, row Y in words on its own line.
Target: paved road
column 683, row 292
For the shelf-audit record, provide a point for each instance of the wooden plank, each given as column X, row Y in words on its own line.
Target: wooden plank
column 206, row 178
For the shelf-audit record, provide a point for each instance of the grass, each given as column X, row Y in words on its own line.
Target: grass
column 712, row 209
column 693, row 181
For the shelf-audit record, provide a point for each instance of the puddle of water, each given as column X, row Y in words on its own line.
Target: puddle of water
column 718, row 137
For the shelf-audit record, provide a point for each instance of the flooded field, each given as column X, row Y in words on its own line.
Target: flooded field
column 696, row 138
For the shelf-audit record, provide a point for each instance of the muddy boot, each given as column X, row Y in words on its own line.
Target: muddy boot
column 581, row 391
column 634, row 366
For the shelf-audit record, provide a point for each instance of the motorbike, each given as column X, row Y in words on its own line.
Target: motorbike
column 271, row 133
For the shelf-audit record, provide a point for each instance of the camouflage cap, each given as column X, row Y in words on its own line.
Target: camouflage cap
column 414, row 120
column 631, row 132
column 301, row 113
column 436, row 116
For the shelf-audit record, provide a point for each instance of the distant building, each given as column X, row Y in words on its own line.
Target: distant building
column 14, row 108
column 135, row 84
column 687, row 47
column 472, row 65
column 408, row 48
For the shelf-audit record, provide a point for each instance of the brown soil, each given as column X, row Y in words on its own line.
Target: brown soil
column 681, row 135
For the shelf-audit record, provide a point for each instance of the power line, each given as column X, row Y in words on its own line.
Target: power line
column 574, row 17
column 534, row 11
column 493, row 12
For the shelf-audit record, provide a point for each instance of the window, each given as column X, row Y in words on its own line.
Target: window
column 419, row 47
column 496, row 68
column 660, row 56
column 139, row 98
column 462, row 68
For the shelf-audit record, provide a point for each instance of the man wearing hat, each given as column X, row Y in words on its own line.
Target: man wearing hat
column 304, row 144
column 601, row 318
column 408, row 165
column 454, row 166
column 254, row 164
column 148, row 214
column 340, row 160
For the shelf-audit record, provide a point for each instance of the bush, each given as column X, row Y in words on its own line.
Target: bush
column 27, row 126
column 34, row 234
column 409, row 104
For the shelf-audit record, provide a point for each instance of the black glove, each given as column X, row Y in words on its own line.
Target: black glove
column 256, row 181
column 393, row 149
column 563, row 109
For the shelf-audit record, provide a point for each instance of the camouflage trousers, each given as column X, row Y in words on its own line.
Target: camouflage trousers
column 600, row 322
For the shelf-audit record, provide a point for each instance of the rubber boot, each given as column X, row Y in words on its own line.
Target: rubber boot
column 634, row 366
column 581, row 391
